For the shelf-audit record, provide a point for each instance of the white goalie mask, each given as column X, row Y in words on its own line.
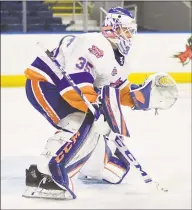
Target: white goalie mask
column 164, row 91
column 119, row 27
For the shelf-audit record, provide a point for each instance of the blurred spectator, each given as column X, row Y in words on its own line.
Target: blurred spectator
column 39, row 18
column 72, row 22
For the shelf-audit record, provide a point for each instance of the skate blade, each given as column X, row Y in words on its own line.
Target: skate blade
column 34, row 192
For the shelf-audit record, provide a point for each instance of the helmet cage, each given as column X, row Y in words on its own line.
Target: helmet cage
column 115, row 22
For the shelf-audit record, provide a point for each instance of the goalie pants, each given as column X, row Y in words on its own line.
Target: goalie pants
column 47, row 100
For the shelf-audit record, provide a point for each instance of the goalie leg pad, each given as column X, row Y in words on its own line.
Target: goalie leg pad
column 73, row 154
column 106, row 164
column 70, row 126
column 66, row 152
column 115, row 165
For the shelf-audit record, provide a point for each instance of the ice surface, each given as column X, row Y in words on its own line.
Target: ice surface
column 162, row 144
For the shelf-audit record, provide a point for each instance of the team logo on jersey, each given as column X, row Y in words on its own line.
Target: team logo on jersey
column 185, row 56
column 114, row 72
column 96, row 51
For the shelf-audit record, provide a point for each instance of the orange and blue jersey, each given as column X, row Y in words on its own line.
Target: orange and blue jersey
column 90, row 66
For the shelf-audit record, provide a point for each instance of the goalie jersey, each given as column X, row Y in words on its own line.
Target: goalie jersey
column 91, row 62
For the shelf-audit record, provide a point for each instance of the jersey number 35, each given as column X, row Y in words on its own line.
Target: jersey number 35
column 84, row 65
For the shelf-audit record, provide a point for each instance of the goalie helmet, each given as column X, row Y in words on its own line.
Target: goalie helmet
column 119, row 27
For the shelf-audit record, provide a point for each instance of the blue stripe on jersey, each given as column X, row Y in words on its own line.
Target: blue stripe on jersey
column 78, row 78
column 40, row 64
column 56, row 50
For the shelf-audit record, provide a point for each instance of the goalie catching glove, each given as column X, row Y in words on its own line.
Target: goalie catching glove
column 159, row 91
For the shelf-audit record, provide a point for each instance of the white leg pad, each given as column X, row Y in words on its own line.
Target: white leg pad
column 72, row 123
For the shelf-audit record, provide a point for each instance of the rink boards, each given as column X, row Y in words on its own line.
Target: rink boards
column 151, row 52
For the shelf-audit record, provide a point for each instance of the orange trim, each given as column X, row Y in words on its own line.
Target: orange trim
column 105, row 158
column 31, row 74
column 73, row 98
column 139, row 96
column 106, row 161
column 79, row 166
column 124, row 130
column 74, row 138
column 116, row 166
column 125, row 97
column 68, row 147
column 59, row 157
column 112, row 172
column 40, row 97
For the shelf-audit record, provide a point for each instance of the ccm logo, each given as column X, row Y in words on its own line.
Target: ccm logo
column 67, row 148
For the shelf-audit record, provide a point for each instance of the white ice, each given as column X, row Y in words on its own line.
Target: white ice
column 162, row 145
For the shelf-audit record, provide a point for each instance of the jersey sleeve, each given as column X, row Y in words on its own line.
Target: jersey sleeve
column 125, row 96
column 118, row 79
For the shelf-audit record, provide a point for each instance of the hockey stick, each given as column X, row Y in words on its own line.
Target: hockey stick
column 132, row 160
column 68, row 78
column 118, row 139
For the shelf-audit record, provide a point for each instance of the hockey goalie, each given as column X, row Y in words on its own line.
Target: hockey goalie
column 96, row 64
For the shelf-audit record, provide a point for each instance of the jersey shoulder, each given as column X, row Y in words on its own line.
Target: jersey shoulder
column 96, row 41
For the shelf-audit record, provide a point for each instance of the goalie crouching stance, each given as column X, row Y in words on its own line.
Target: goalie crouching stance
column 98, row 75
column 68, row 150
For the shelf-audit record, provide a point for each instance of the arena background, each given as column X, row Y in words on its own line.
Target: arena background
column 163, row 41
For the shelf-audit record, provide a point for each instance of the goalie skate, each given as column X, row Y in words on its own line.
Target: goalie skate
column 42, row 186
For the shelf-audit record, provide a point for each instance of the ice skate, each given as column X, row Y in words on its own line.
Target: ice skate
column 40, row 185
